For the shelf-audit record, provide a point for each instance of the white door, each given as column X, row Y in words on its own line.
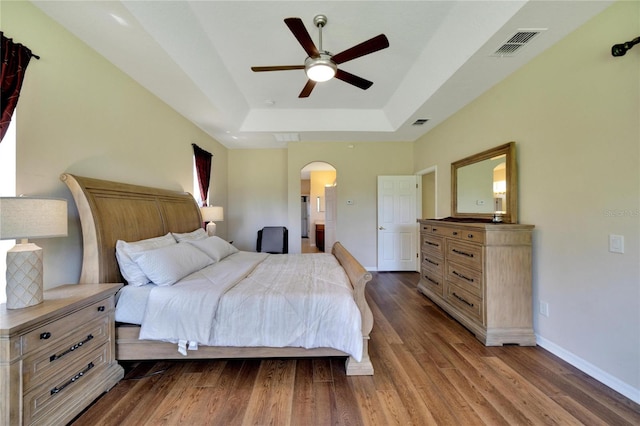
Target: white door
column 397, row 226
column 330, row 217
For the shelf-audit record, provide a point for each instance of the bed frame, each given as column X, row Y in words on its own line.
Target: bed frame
column 111, row 211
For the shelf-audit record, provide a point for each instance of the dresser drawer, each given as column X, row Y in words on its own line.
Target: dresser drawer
column 471, row 235
column 432, row 243
column 432, row 262
column 442, row 230
column 41, row 366
column 435, row 283
column 464, row 253
column 51, row 333
column 467, row 278
column 70, row 382
column 465, row 301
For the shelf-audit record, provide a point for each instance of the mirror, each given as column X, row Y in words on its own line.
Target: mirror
column 486, row 184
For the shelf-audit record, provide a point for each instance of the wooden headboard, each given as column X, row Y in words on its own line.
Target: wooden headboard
column 111, row 211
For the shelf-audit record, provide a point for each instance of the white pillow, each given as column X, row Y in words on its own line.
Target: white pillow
column 128, row 268
column 198, row 234
column 166, row 265
column 214, row 247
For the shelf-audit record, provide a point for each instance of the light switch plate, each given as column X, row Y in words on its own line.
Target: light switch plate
column 616, row 243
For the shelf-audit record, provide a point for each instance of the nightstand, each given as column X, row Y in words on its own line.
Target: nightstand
column 58, row 356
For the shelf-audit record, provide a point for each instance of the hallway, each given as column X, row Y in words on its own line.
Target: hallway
column 307, row 247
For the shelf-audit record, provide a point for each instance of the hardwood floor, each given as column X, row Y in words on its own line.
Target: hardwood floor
column 428, row 370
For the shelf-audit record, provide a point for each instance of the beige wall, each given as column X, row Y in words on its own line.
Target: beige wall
column 77, row 113
column 574, row 113
column 257, row 194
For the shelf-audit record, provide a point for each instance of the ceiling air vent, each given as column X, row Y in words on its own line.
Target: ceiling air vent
column 516, row 42
column 420, row 122
column 287, row 137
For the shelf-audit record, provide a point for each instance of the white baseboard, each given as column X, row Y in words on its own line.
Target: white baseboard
column 590, row 369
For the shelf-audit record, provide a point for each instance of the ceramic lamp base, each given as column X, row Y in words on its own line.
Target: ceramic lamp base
column 211, row 229
column 24, row 276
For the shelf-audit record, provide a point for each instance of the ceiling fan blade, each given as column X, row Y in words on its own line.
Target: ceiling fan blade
column 372, row 45
column 278, row 68
column 353, row 79
column 302, row 35
column 306, row 91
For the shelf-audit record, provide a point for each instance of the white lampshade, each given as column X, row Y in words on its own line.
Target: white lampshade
column 29, row 217
column 212, row 214
column 23, row 218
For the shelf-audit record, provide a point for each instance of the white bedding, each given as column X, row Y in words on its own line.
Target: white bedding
column 256, row 299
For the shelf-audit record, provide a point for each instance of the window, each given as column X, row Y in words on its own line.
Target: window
column 7, row 189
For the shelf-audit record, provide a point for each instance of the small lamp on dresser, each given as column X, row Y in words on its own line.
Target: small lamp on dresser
column 212, row 214
column 22, row 218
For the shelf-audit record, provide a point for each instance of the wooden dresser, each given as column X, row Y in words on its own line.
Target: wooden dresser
column 58, row 356
column 480, row 273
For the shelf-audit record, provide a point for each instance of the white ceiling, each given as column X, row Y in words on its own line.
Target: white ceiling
column 196, row 57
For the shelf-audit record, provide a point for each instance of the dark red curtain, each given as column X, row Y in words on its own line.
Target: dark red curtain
column 15, row 58
column 203, row 170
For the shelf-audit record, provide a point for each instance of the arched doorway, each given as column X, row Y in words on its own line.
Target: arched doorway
column 318, row 180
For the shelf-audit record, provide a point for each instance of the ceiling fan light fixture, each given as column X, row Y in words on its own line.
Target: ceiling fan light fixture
column 321, row 68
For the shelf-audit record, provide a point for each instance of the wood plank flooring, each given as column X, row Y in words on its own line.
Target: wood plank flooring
column 428, row 370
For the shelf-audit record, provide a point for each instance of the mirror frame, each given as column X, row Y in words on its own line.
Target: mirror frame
column 509, row 150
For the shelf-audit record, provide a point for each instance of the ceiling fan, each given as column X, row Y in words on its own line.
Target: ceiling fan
column 322, row 65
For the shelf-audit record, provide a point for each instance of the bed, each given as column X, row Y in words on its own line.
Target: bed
column 112, row 211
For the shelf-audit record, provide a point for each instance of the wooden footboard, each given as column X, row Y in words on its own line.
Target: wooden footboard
column 112, row 210
column 359, row 277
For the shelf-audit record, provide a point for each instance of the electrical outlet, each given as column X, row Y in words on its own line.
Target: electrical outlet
column 544, row 309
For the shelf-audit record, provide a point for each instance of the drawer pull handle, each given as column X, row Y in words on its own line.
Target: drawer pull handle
column 45, row 335
column 462, row 253
column 463, row 300
column 431, row 280
column 458, row 274
column 455, row 232
column 435, row 229
column 71, row 349
column 72, row 380
column 100, row 308
column 432, row 244
column 469, row 235
column 431, row 261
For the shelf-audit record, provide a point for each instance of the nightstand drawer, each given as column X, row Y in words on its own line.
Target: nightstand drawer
column 41, row 403
column 40, row 367
column 51, row 333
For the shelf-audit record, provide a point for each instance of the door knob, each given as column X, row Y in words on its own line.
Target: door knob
column 381, row 228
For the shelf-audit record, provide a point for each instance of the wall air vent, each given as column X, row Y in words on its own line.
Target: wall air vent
column 420, row 122
column 517, row 42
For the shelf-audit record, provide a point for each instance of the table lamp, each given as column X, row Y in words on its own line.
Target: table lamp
column 211, row 214
column 22, row 218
